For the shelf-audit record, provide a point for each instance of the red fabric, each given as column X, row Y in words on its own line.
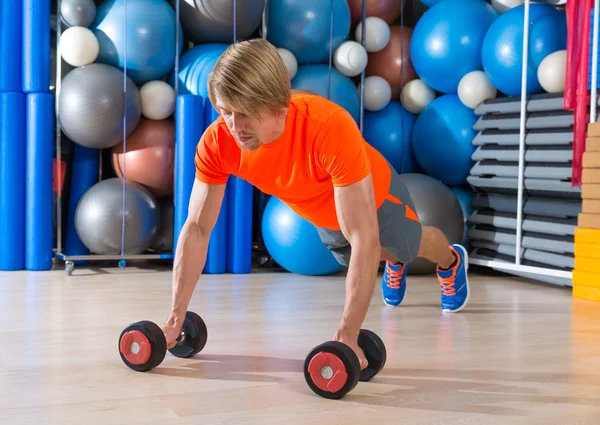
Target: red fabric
column 581, row 92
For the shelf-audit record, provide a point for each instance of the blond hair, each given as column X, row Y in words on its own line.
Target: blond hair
column 250, row 76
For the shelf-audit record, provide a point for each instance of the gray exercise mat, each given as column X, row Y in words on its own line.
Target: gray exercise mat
column 535, row 103
column 546, row 207
column 539, row 137
column 532, row 257
column 539, row 187
column 546, row 243
column 558, row 153
column 511, row 169
column 534, row 120
column 531, row 223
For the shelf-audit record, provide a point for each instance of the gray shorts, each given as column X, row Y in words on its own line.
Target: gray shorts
column 399, row 228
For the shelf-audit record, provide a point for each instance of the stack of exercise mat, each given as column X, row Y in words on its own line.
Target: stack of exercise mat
column 586, row 275
column 551, row 205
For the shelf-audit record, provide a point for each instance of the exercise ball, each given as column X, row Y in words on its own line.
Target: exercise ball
column 303, row 27
column 211, row 21
column 78, row 46
column 377, row 93
column 416, row 95
column 148, row 45
column 435, row 206
column 443, row 140
column 149, row 158
column 294, row 242
column 377, row 34
column 289, row 60
column 339, row 89
column 350, row 58
column 464, row 195
column 502, row 51
column 474, row 88
column 552, row 72
column 503, row 5
column 163, row 242
column 158, row 100
column 77, row 13
column 91, row 106
column 390, row 132
column 100, row 212
column 387, row 10
column 195, row 65
column 447, row 42
column 393, row 61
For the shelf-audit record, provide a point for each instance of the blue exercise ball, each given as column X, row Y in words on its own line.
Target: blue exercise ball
column 464, row 195
column 303, row 27
column 389, row 130
column 443, row 140
column 502, row 53
column 149, row 44
column 294, row 242
column 446, row 42
column 195, row 65
column 342, row 90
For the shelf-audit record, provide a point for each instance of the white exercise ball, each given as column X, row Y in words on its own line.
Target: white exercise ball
column 158, row 100
column 552, row 72
column 503, row 5
column 79, row 46
column 416, row 95
column 289, row 60
column 377, row 34
column 378, row 93
column 350, row 58
column 474, row 88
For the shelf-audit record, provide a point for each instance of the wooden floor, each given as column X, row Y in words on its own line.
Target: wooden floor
column 521, row 353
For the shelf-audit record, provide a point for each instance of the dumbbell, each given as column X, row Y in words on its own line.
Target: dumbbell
column 332, row 369
column 142, row 345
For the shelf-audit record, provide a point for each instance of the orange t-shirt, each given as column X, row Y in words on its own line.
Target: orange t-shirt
column 321, row 147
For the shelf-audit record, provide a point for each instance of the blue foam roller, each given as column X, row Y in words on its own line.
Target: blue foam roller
column 11, row 21
column 84, row 176
column 12, row 181
column 239, row 226
column 39, row 152
column 36, row 46
column 216, row 259
column 189, row 124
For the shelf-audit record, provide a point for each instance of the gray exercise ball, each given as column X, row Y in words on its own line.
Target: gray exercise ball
column 164, row 240
column 99, row 216
column 77, row 12
column 436, row 206
column 211, row 21
column 91, row 106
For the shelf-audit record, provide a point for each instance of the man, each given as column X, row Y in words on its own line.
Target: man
column 308, row 152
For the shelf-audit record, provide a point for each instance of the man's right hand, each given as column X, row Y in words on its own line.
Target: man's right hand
column 172, row 331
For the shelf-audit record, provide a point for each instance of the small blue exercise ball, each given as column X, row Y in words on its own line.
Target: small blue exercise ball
column 342, row 90
column 446, row 42
column 149, row 44
column 303, row 27
column 502, row 53
column 294, row 242
column 443, row 140
column 389, row 130
column 195, row 65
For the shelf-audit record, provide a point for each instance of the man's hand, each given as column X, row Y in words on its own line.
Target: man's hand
column 357, row 215
column 172, row 330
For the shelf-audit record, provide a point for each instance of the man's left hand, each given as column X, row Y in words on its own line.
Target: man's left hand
column 352, row 342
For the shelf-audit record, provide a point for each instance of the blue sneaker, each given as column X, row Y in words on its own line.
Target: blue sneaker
column 393, row 283
column 454, row 282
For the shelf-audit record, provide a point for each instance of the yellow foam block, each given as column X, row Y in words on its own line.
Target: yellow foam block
column 586, row 293
column 587, row 250
column 587, row 235
column 585, row 264
column 586, row 278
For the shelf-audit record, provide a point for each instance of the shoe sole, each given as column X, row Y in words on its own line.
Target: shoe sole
column 466, row 261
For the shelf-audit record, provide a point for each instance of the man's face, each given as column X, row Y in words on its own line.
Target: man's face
column 249, row 133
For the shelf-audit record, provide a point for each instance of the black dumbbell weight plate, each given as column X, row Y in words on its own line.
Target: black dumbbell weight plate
column 331, row 370
column 142, row 346
column 194, row 337
column 375, row 352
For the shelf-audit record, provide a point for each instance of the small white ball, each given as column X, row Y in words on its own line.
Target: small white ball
column 377, row 34
column 552, row 72
column 158, row 100
column 289, row 60
column 416, row 95
column 350, row 58
column 504, row 5
column 474, row 88
column 378, row 93
column 79, row 46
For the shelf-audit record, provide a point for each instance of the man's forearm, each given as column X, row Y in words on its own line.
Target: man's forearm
column 189, row 261
column 360, row 284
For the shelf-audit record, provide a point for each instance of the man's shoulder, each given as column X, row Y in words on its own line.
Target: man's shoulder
column 216, row 133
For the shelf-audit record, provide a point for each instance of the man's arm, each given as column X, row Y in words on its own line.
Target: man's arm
column 192, row 245
column 357, row 215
